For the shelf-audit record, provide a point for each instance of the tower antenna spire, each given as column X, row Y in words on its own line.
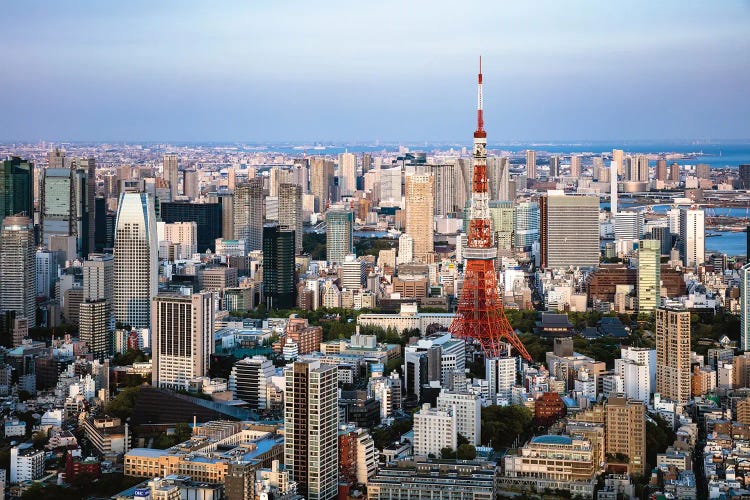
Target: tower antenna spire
column 480, row 104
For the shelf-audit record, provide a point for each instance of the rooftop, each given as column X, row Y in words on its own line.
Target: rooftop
column 551, row 439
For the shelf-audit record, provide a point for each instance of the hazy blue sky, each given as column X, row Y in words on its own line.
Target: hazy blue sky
column 388, row 70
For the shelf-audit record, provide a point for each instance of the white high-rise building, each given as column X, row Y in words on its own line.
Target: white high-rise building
column 182, row 338
column 352, row 273
column 18, row 268
column 614, row 168
column 501, row 377
column 390, row 187
column 347, row 173
column 637, row 370
column 629, row 225
column 136, row 262
column 311, row 450
column 405, row 249
column 434, row 430
column 745, row 307
column 467, row 409
column 692, row 237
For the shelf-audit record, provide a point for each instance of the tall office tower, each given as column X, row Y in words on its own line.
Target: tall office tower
column 249, row 379
column 87, row 166
column 629, row 225
column 570, row 230
column 136, row 259
column 16, row 187
column 301, row 174
column 613, row 187
column 56, row 159
column 663, row 235
column 618, row 157
column 501, row 218
column 206, row 215
column 366, row 163
column 18, row 268
column 673, row 354
column 530, row 164
column 480, row 315
column 674, row 173
column 290, row 212
column 554, row 166
column 248, row 213
column 526, row 224
column 390, row 187
column 347, row 173
column 420, row 189
column 649, row 275
column 226, row 201
column 191, row 184
column 501, row 378
column 279, row 283
column 321, row 180
column 339, row 234
column 184, row 234
column 692, row 237
column 98, row 282
column 444, row 186
column 48, row 264
column 575, row 166
column 661, row 170
column 625, row 431
column 67, row 204
column 745, row 307
column 182, row 338
column 311, row 428
column 170, row 174
column 95, row 327
column 498, row 170
column 463, row 172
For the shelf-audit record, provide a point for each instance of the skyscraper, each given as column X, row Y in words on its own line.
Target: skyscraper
column 339, row 234
column 419, row 214
column 18, row 268
column 570, row 230
column 98, row 282
column 613, row 186
column 321, row 180
column 554, row 166
column 745, row 307
column 182, row 338
column 692, row 237
column 249, row 379
column 279, row 283
column 67, row 203
column 347, row 173
column 136, row 259
column 290, row 212
column 673, row 354
column 95, row 327
column 649, row 275
column 170, row 174
column 16, row 187
column 191, row 184
column 629, row 224
column 618, row 157
column 530, row 164
column 311, row 428
column 498, row 171
column 206, row 215
column 575, row 166
column 526, row 224
column 249, row 206
column 445, row 187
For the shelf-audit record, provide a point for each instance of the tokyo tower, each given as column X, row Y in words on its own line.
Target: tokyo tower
column 480, row 315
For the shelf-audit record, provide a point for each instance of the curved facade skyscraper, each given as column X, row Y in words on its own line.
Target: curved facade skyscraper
column 136, row 259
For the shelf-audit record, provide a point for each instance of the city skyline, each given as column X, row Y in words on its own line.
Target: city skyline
column 195, row 73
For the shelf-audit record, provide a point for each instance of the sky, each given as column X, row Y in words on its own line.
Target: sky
column 278, row 71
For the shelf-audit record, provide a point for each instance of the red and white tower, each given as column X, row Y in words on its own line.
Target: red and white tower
column 480, row 315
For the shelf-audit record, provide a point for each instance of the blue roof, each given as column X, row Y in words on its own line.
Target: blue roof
column 552, row 439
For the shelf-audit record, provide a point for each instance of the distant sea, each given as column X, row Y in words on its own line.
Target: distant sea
column 718, row 155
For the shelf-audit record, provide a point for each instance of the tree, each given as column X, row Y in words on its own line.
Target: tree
column 466, row 452
column 447, row 453
column 501, row 425
column 122, row 405
column 39, row 439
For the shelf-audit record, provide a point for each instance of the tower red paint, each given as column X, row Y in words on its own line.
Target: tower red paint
column 480, row 315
